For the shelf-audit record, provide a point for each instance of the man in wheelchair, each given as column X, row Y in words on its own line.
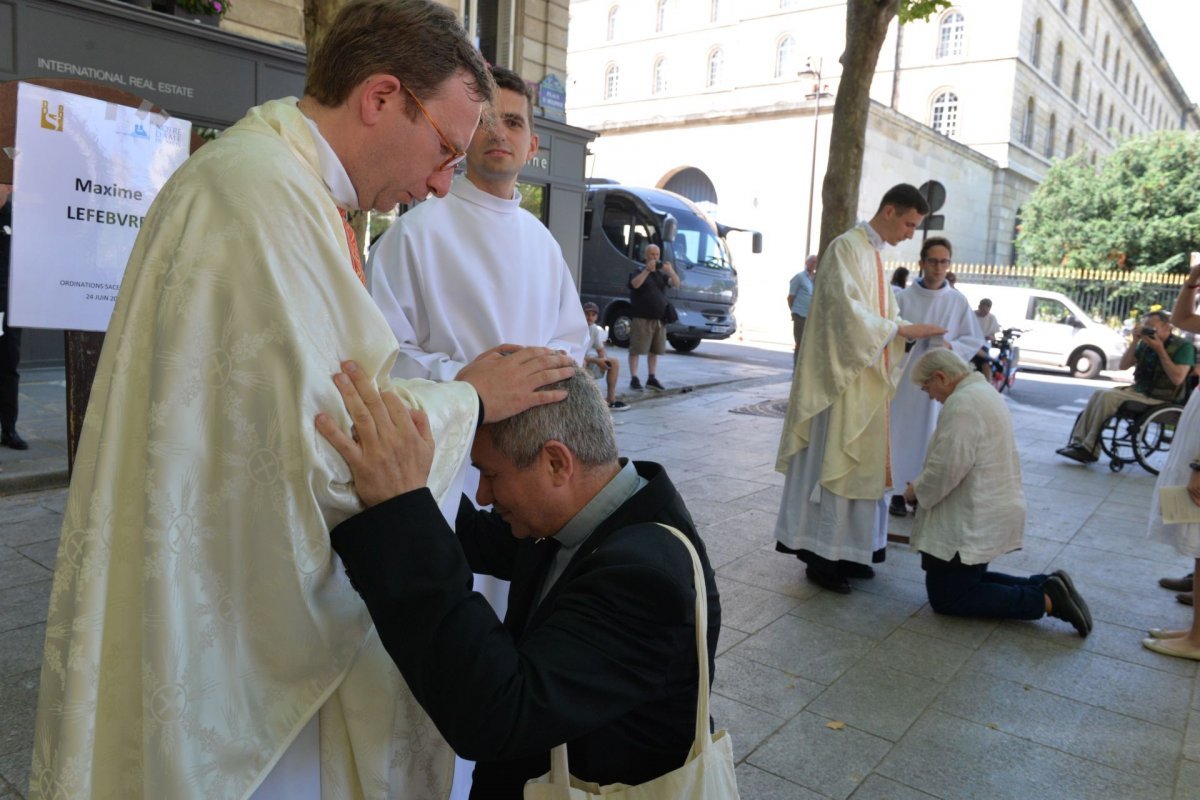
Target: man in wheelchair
column 1161, row 362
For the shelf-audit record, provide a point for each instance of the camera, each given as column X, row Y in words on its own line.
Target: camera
column 1148, row 331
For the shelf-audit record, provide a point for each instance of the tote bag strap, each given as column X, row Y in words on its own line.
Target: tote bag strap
column 702, row 739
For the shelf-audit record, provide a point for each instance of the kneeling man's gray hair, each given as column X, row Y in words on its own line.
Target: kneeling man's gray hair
column 582, row 422
column 939, row 360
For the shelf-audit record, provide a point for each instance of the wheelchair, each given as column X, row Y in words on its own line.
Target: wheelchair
column 1143, row 432
column 1140, row 432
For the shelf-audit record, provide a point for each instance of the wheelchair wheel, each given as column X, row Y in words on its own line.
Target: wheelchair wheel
column 1115, row 439
column 1153, row 433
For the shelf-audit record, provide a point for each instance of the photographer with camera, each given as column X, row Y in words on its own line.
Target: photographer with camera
column 1161, row 362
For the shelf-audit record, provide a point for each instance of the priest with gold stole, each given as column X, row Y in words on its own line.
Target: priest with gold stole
column 835, row 436
column 203, row 641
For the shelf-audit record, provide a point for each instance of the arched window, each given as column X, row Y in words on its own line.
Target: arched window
column 660, row 75
column 1065, row 5
column 1048, row 148
column 660, row 19
column 943, row 115
column 612, row 22
column 1121, row 126
column 1027, row 126
column 714, row 10
column 1076, row 81
column 1137, row 88
column 951, row 35
column 1117, row 65
column 1099, row 108
column 1111, row 111
column 1056, row 70
column 1126, row 89
column 785, row 58
column 1035, row 55
column 1083, row 9
column 612, row 81
column 716, row 67
column 1070, row 143
column 1104, row 54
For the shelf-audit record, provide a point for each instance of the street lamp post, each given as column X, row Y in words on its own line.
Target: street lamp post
column 817, row 93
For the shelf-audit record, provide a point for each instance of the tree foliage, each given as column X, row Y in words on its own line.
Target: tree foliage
column 1139, row 210
column 867, row 23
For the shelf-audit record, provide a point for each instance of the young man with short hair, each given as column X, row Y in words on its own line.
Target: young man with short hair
column 834, row 447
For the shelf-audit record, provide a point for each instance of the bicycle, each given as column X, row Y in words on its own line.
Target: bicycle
column 1008, row 357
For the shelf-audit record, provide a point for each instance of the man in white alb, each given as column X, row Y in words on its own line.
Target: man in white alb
column 460, row 274
column 202, row 640
column 914, row 414
column 835, row 437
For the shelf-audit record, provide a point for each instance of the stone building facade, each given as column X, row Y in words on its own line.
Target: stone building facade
column 529, row 36
column 980, row 98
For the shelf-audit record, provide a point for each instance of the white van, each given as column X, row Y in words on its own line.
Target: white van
column 1057, row 332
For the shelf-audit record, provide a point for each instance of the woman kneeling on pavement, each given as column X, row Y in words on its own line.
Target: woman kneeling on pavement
column 971, row 508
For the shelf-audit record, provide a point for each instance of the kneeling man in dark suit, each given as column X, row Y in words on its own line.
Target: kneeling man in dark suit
column 598, row 646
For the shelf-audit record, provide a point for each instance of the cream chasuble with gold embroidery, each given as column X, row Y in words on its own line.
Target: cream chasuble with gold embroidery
column 199, row 618
column 849, row 364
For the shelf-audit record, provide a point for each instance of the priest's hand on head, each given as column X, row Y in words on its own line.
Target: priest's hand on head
column 390, row 447
column 508, row 377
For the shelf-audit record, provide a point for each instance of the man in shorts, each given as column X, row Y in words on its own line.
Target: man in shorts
column 648, row 301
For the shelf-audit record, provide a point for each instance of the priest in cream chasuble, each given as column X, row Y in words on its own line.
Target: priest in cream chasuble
column 199, row 623
column 835, row 436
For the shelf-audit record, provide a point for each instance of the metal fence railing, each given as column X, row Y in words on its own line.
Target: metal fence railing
column 1105, row 296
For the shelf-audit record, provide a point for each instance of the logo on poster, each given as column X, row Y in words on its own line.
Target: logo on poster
column 51, row 121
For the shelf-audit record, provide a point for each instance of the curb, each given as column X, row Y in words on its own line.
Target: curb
column 34, row 481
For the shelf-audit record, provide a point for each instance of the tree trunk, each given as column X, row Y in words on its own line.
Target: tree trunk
column 866, row 27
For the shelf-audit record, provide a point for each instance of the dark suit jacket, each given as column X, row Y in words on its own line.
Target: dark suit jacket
column 607, row 662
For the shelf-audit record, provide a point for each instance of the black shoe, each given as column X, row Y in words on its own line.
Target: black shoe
column 1063, row 606
column 1183, row 584
column 652, row 383
column 635, row 384
column 852, row 569
column 618, row 405
column 13, row 439
column 1062, row 575
column 897, row 508
column 1186, row 598
column 828, row 580
column 1077, row 452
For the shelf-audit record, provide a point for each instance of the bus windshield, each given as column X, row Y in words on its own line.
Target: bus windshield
column 696, row 245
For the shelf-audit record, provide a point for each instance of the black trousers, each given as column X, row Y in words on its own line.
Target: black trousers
column 10, row 358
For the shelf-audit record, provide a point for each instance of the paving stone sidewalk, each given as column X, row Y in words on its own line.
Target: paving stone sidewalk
column 931, row 707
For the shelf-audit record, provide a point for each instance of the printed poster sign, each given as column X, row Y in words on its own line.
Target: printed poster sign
column 84, row 175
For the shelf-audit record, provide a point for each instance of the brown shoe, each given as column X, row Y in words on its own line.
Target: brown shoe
column 1185, row 598
column 1183, row 584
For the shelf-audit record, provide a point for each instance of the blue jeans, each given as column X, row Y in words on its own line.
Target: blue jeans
column 969, row 590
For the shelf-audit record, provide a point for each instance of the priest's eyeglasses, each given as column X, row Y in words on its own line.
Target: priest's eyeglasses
column 457, row 155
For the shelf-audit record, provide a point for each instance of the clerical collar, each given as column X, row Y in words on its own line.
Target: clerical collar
column 337, row 180
column 463, row 188
column 873, row 236
column 624, row 485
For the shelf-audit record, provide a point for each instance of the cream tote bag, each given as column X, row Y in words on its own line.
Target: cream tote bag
column 707, row 774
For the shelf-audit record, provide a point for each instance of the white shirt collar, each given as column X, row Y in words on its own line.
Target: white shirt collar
column 873, row 236
column 337, row 180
